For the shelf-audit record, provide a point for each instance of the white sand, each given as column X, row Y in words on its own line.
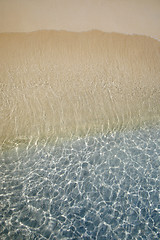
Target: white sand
column 124, row 16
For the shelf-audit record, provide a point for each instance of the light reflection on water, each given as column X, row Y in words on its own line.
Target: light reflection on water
column 103, row 187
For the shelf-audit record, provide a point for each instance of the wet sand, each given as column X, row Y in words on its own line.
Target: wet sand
column 61, row 84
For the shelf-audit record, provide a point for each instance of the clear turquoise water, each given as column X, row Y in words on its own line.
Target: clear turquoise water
column 103, row 187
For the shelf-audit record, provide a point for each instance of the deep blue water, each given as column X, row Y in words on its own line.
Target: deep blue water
column 103, row 187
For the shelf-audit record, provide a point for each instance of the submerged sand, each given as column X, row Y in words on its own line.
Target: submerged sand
column 59, row 84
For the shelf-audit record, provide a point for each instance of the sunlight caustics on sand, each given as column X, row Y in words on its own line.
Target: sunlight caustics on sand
column 57, row 83
column 79, row 119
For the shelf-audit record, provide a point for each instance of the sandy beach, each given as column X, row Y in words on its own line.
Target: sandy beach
column 140, row 17
column 58, row 83
column 79, row 119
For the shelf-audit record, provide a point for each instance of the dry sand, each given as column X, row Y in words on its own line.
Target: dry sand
column 57, row 83
column 123, row 16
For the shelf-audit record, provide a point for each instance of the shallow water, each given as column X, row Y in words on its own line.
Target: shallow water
column 57, row 83
column 102, row 187
column 100, row 179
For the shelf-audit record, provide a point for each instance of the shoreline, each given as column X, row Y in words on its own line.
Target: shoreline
column 81, row 32
column 22, row 145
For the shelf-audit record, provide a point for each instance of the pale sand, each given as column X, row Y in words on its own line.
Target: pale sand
column 123, row 16
column 58, row 84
